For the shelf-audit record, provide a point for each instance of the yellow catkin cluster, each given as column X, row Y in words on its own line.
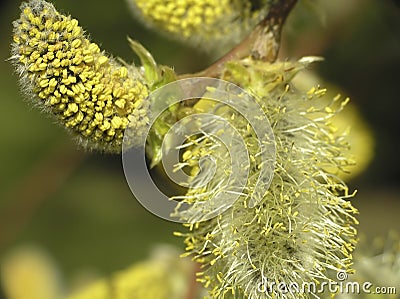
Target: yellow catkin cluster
column 29, row 273
column 90, row 93
column 202, row 21
column 185, row 17
column 163, row 276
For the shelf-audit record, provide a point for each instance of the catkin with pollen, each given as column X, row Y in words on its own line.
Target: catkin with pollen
column 303, row 229
column 208, row 24
column 90, row 93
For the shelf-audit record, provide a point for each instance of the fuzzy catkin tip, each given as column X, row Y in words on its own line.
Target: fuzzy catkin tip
column 90, row 93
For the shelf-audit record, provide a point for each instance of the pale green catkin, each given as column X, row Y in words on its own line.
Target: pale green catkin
column 89, row 92
column 303, row 225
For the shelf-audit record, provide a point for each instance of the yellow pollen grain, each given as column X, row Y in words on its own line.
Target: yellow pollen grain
column 76, row 43
column 88, row 59
column 102, row 60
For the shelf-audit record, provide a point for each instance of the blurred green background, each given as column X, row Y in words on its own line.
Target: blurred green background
column 77, row 205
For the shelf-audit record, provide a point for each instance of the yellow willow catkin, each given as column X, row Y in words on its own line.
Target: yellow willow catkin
column 32, row 268
column 163, row 276
column 207, row 23
column 88, row 92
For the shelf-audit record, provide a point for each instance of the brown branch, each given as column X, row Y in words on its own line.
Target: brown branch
column 267, row 43
column 261, row 44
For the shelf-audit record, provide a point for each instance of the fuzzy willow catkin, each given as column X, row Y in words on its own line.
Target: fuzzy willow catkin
column 207, row 23
column 89, row 92
column 303, row 225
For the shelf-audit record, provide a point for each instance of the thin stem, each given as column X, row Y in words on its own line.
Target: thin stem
column 267, row 43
